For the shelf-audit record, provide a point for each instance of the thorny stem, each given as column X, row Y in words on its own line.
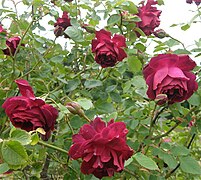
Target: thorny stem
column 177, row 41
column 168, row 132
column 99, row 73
column 178, row 165
column 120, row 26
column 52, row 147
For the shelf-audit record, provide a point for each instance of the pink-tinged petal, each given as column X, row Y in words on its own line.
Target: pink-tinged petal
column 87, row 131
column 150, row 92
column 98, row 124
column 97, row 163
column 116, row 160
column 192, row 84
column 159, row 76
column 122, row 54
column 103, row 35
column 163, row 60
column 76, row 151
column 25, row 89
column 119, row 40
column 175, row 72
column 147, row 71
column 95, row 43
column 185, row 63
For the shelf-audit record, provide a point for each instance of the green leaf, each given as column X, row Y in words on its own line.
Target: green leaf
column 185, row 27
column 189, row 165
column 168, row 159
column 194, row 100
column 180, row 151
column 104, row 107
column 3, row 43
column 20, row 135
column 92, row 83
column 134, row 64
column 14, row 153
column 85, row 103
column 4, row 168
column 113, row 19
column 181, row 51
column 57, row 59
column 72, row 85
column 34, row 139
column 74, row 33
column 145, row 161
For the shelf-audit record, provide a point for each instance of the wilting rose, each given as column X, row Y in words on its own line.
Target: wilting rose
column 108, row 50
column 197, row 2
column 28, row 112
column 61, row 24
column 149, row 17
column 12, row 44
column 102, row 147
column 169, row 74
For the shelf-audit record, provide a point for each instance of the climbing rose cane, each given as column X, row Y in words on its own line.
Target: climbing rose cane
column 28, row 112
column 102, row 147
column 169, row 74
column 149, row 17
column 108, row 50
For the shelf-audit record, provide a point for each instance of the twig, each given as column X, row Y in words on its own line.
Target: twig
column 178, row 165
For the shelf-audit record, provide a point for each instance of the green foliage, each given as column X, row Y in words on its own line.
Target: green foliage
column 62, row 70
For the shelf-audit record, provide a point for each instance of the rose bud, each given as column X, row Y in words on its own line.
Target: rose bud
column 74, row 108
column 149, row 16
column 170, row 74
column 108, row 50
column 28, row 112
column 102, row 147
column 160, row 33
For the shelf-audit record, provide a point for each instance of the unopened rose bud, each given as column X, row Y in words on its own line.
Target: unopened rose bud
column 75, row 108
column 160, row 33
column 166, row 140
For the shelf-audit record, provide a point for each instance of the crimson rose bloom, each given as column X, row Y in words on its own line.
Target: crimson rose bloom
column 12, row 44
column 108, row 50
column 149, row 17
column 28, row 112
column 197, row 2
column 170, row 74
column 62, row 24
column 102, row 147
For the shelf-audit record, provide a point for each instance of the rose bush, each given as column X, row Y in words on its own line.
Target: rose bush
column 28, row 112
column 102, row 147
column 108, row 50
column 149, row 16
column 170, row 74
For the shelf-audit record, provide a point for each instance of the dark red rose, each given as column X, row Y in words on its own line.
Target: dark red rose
column 28, row 112
column 61, row 24
column 170, row 74
column 102, row 147
column 149, row 17
column 108, row 49
column 197, row 2
column 12, row 44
